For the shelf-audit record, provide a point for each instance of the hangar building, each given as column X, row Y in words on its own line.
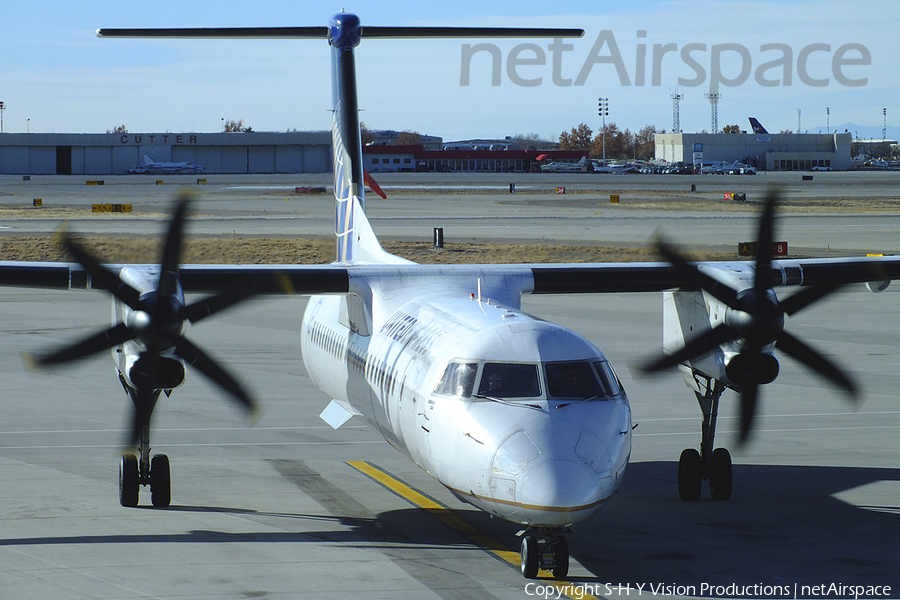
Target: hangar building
column 116, row 153
column 765, row 151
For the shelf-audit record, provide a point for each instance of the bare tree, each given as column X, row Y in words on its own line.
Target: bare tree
column 530, row 141
column 731, row 129
column 409, row 138
column 238, row 126
column 366, row 134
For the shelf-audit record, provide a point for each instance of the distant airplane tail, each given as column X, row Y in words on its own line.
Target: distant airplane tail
column 756, row 126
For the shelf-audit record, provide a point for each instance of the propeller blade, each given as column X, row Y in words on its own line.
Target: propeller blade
column 96, row 343
column 807, row 296
column 195, row 357
column 817, row 362
column 696, row 277
column 213, row 304
column 749, row 400
column 101, row 275
column 138, row 418
column 697, row 346
column 762, row 280
column 144, row 397
column 171, row 256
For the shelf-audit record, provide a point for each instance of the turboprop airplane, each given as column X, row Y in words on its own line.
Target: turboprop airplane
column 517, row 416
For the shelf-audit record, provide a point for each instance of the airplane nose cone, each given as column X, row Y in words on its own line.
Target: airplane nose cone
column 560, row 492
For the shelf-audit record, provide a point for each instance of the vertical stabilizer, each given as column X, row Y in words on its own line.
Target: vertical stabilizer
column 757, row 126
column 343, row 36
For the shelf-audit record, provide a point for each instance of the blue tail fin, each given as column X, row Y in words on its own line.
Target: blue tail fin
column 757, row 127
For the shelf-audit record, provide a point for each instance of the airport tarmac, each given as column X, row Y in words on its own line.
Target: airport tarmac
column 284, row 509
column 472, row 207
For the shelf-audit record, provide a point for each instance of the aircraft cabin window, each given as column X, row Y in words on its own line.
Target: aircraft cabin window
column 573, row 380
column 609, row 378
column 509, row 380
column 458, row 380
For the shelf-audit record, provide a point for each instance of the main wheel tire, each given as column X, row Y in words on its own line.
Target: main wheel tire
column 160, row 481
column 720, row 474
column 690, row 475
column 561, row 558
column 128, row 481
column 530, row 557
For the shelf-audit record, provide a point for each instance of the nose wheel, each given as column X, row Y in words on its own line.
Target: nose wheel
column 132, row 477
column 154, row 472
column 544, row 549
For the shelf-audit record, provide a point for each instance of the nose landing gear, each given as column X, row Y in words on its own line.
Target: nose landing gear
column 544, row 549
column 137, row 471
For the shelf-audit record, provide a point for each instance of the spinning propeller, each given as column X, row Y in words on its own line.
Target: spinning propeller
column 755, row 320
column 157, row 323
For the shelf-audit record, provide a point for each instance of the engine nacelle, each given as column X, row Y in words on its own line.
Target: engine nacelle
column 745, row 370
column 169, row 372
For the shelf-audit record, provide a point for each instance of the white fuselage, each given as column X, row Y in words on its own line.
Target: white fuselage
column 529, row 453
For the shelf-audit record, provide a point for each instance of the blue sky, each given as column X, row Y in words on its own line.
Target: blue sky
column 56, row 76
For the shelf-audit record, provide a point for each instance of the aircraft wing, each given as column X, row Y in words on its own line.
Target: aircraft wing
column 596, row 278
column 570, row 278
column 258, row 279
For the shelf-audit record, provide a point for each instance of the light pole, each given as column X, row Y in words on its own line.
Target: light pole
column 828, row 120
column 2, row 108
column 603, row 111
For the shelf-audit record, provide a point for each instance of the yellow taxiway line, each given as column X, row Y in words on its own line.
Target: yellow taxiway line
column 449, row 517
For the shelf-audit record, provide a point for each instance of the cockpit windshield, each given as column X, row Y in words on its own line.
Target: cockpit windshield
column 458, row 379
column 576, row 379
column 572, row 380
column 509, row 380
column 609, row 379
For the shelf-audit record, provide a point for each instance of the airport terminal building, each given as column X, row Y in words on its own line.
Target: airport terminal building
column 116, row 153
column 765, row 151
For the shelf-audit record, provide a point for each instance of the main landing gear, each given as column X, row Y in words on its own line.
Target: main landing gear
column 154, row 472
column 708, row 464
column 544, row 548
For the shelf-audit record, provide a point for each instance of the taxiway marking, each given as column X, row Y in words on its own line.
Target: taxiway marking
column 456, row 522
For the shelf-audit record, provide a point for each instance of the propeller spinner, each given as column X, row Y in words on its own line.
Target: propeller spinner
column 755, row 320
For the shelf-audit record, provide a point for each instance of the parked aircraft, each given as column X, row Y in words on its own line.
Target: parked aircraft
column 520, row 417
column 152, row 167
